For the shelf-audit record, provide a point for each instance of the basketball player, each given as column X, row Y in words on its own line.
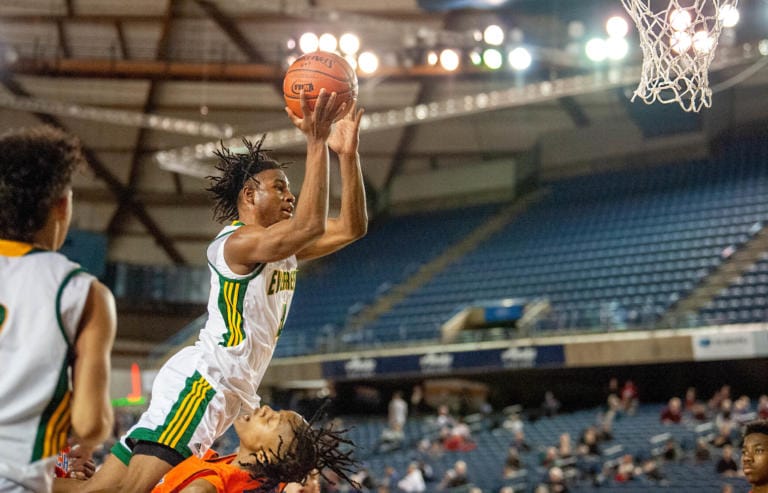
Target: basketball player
column 200, row 391
column 57, row 323
column 754, row 455
column 275, row 448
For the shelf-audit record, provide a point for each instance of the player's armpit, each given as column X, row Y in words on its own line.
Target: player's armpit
column 199, row 486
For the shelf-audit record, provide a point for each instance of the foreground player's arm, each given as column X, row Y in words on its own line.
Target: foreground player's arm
column 352, row 223
column 92, row 416
column 253, row 244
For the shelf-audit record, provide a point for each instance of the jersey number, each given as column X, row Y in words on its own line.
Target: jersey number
column 282, row 321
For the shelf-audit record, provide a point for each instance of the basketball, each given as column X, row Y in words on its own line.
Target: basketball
column 315, row 71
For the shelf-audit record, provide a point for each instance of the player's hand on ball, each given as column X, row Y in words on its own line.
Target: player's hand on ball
column 345, row 135
column 317, row 122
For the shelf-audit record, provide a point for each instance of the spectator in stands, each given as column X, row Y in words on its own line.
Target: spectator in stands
column 413, row 481
column 742, row 411
column 671, row 451
column 725, row 415
column 629, row 397
column 690, row 399
column 519, row 442
column 754, row 455
column 458, row 438
column 397, row 412
column 564, row 448
column 556, row 481
column 673, row 412
column 389, row 480
column 588, row 443
column 455, row 476
column 718, row 397
column 512, row 462
column 364, row 479
column 551, row 405
column 444, row 418
column 650, row 471
column 723, row 436
column 550, row 457
column 702, row 453
column 762, row 407
column 626, row 469
column 417, row 400
column 393, row 435
column 726, row 465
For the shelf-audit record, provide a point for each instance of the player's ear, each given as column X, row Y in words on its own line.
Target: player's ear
column 62, row 206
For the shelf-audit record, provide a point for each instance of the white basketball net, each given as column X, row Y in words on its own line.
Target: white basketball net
column 678, row 39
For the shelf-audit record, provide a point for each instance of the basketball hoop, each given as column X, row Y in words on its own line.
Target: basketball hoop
column 678, row 41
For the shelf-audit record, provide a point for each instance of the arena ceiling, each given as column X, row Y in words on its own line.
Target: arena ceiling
column 143, row 80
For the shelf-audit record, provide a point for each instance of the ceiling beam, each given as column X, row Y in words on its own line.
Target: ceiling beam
column 101, row 171
column 125, row 52
column 230, row 28
column 575, row 111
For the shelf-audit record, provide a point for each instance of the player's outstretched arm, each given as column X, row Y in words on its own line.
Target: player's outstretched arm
column 253, row 244
column 352, row 223
column 92, row 416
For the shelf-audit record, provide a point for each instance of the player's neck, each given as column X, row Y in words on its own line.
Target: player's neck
column 51, row 236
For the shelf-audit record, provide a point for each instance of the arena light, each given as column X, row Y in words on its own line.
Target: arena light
column 492, row 58
column 349, row 43
column 520, row 58
column 616, row 48
column 703, row 42
column 616, row 27
column 475, row 57
column 327, row 42
column 762, row 47
column 680, row 42
column 596, row 49
column 680, row 19
column 432, row 58
column 493, row 35
column 729, row 15
column 308, row 42
column 368, row 62
column 449, row 59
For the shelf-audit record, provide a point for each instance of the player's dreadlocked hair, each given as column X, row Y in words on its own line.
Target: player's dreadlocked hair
column 314, row 447
column 756, row 426
column 36, row 166
column 235, row 170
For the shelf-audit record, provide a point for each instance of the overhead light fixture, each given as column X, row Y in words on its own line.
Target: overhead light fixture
column 449, row 59
column 520, row 58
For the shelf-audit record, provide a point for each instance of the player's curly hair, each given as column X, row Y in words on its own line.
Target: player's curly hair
column 36, row 166
column 320, row 447
column 235, row 169
column 756, row 426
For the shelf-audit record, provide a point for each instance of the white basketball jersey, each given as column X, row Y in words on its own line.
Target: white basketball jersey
column 42, row 295
column 246, row 314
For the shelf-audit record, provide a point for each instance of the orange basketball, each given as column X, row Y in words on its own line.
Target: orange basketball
column 317, row 70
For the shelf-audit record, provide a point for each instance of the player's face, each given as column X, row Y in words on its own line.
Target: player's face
column 263, row 429
column 272, row 197
column 754, row 458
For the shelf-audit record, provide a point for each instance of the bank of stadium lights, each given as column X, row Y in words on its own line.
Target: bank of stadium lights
column 349, row 44
column 309, row 42
column 762, row 47
column 729, row 15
